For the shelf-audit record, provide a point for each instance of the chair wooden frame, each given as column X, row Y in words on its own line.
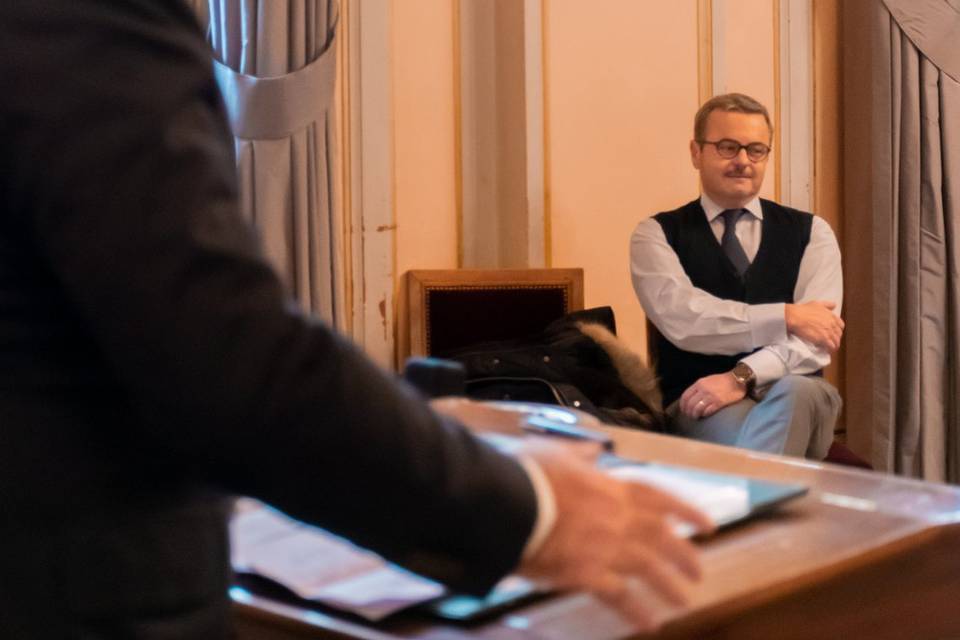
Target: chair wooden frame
column 421, row 283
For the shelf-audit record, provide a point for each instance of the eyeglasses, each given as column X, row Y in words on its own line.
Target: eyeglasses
column 728, row 149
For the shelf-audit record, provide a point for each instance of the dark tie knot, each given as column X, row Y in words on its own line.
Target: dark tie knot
column 730, row 216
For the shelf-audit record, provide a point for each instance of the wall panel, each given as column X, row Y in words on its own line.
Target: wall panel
column 621, row 93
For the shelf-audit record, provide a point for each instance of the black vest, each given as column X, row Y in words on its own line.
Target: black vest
column 772, row 277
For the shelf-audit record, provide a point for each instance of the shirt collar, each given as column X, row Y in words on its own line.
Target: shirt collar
column 712, row 209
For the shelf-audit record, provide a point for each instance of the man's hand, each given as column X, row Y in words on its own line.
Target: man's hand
column 610, row 533
column 709, row 394
column 816, row 323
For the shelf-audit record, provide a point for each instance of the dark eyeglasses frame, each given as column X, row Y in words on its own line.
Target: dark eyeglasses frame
column 756, row 151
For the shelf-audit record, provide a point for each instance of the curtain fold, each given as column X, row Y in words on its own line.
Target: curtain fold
column 917, row 239
column 275, row 63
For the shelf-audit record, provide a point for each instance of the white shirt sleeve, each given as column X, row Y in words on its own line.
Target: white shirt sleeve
column 691, row 318
column 546, row 506
column 820, row 278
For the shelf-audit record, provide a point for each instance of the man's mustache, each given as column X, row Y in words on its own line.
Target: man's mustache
column 746, row 173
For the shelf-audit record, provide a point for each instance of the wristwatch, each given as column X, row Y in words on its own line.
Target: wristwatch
column 744, row 376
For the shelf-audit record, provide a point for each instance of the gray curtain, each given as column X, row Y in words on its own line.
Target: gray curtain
column 916, row 250
column 276, row 67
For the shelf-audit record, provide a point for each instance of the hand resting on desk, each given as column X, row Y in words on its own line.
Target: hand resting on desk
column 611, row 533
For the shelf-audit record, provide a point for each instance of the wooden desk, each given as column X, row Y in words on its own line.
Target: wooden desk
column 863, row 555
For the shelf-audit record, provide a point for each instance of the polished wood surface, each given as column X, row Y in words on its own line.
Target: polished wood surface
column 863, row 555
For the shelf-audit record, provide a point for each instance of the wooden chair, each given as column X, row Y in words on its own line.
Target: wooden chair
column 449, row 309
column 653, row 348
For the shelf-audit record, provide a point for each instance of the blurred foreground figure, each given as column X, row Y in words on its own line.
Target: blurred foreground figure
column 150, row 364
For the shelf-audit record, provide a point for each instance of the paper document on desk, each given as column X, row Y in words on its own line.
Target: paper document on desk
column 724, row 502
column 316, row 565
column 726, row 498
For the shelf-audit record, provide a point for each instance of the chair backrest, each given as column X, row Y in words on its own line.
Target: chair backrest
column 450, row 309
column 653, row 347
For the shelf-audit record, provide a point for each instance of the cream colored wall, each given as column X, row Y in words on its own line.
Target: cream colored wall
column 426, row 223
column 424, row 135
column 745, row 61
column 621, row 89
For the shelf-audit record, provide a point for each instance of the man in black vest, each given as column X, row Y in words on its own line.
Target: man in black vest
column 746, row 295
column 151, row 364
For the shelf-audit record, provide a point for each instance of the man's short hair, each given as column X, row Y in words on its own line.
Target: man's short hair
column 736, row 102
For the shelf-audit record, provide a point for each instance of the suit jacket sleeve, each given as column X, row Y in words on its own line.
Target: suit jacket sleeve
column 120, row 167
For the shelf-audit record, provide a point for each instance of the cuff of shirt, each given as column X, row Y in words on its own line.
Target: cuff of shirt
column 766, row 365
column 767, row 323
column 546, row 506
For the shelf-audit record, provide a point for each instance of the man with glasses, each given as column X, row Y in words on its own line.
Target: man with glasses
column 746, row 296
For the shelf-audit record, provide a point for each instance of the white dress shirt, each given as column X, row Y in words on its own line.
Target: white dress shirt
column 546, row 507
column 697, row 321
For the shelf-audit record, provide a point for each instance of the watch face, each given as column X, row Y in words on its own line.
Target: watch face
column 743, row 373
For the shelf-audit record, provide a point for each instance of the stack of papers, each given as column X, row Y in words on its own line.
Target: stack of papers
column 316, row 565
column 724, row 501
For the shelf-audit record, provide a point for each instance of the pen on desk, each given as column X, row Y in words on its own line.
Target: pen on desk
column 545, row 426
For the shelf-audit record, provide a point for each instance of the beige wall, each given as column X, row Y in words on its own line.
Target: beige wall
column 424, row 135
column 746, row 60
column 622, row 86
column 426, row 188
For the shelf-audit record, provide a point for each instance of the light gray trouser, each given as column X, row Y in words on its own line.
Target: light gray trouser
column 796, row 416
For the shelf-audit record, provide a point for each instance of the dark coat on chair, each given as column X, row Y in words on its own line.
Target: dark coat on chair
column 576, row 361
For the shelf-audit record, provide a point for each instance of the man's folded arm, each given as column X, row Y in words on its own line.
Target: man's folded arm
column 820, row 278
column 689, row 317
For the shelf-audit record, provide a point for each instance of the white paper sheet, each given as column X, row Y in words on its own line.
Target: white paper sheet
column 722, row 502
column 316, row 565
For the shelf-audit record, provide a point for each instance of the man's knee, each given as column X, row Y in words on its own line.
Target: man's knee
column 797, row 386
column 814, row 405
column 723, row 427
column 807, row 391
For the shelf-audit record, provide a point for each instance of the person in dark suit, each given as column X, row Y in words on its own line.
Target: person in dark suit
column 746, row 295
column 151, row 364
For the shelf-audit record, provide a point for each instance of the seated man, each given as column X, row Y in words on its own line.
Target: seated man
column 746, row 294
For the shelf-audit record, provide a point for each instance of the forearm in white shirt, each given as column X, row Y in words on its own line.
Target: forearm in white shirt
column 820, row 278
column 691, row 318
column 546, row 506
